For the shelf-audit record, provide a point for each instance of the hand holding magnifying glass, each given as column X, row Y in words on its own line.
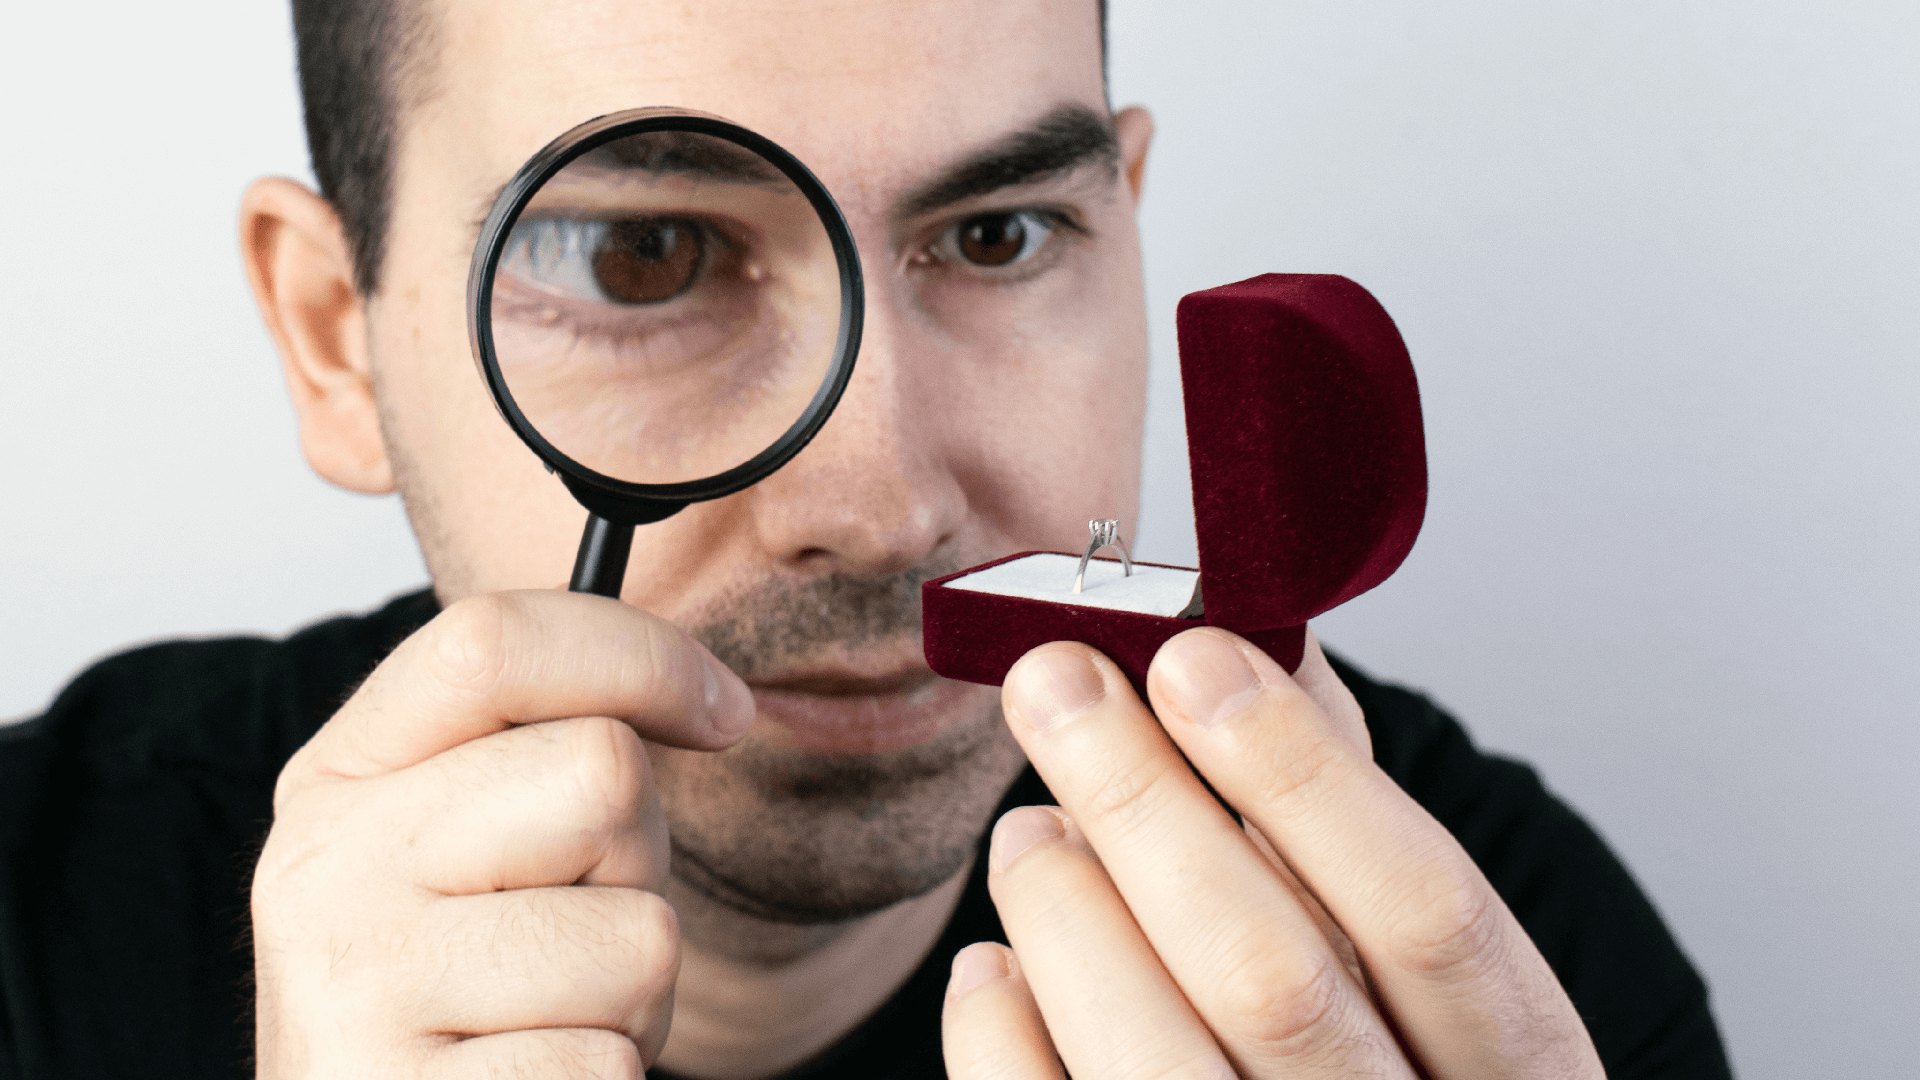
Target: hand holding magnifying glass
column 666, row 308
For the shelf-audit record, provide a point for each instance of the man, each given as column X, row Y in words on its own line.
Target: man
column 731, row 826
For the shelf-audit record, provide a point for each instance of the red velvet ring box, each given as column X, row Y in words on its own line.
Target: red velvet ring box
column 1309, row 485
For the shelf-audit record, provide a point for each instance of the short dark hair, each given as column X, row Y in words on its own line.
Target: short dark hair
column 363, row 64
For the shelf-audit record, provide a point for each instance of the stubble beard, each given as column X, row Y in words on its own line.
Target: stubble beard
column 772, row 833
column 776, row 834
column 787, row 836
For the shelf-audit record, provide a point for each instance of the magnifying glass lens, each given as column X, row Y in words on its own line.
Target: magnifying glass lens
column 665, row 307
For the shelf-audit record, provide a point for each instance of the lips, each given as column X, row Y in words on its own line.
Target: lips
column 838, row 714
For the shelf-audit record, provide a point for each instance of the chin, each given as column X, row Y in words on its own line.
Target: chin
column 839, row 803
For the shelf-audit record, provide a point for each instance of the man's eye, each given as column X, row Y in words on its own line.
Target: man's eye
column 648, row 260
column 627, row 261
column 1000, row 239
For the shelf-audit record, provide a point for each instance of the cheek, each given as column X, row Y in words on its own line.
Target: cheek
column 1067, row 448
column 1043, row 392
column 487, row 514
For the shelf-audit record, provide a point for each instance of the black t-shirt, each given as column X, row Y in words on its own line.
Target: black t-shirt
column 131, row 813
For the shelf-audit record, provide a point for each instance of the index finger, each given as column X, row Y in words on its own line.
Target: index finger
column 1466, row 987
column 494, row 661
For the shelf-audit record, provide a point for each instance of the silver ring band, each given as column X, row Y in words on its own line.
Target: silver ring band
column 1106, row 533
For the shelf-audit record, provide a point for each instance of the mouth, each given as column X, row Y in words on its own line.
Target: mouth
column 842, row 713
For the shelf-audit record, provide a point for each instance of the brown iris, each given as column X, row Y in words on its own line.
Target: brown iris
column 992, row 239
column 648, row 260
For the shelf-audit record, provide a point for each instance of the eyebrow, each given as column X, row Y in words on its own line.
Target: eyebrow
column 685, row 153
column 1068, row 138
column 663, row 153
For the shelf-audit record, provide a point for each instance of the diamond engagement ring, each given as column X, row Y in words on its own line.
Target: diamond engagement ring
column 1106, row 533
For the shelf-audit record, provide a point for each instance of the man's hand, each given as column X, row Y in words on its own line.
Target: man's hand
column 1341, row 932
column 458, row 878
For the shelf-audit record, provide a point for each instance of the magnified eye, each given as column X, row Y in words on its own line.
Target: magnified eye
column 629, row 261
column 1001, row 238
column 649, row 260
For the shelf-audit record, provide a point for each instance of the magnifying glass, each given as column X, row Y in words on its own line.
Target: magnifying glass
column 666, row 308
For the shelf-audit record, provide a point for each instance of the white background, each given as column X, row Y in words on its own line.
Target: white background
column 1657, row 264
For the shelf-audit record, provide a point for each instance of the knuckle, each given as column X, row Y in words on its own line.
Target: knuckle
column 1279, row 1011
column 1447, row 926
column 650, row 923
column 649, row 936
column 610, row 768
column 631, row 930
column 468, row 652
column 1130, row 794
column 619, row 945
column 640, row 915
column 1298, row 770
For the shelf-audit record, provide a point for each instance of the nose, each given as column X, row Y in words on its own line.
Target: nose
column 874, row 493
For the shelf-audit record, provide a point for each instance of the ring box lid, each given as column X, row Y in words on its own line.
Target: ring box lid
column 1305, row 444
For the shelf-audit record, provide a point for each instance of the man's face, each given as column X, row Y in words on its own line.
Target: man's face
column 996, row 405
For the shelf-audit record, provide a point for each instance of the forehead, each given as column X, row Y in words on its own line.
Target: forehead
column 872, row 94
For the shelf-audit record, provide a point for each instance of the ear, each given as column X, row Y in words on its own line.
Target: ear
column 1134, row 125
column 301, row 269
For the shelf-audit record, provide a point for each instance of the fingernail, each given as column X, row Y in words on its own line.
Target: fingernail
column 728, row 702
column 976, row 964
column 1019, row 830
column 1208, row 679
column 1048, row 688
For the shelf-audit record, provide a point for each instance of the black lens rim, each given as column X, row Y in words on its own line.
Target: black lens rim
column 611, row 497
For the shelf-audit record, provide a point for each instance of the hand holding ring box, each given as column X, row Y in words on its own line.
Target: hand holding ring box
column 1309, row 485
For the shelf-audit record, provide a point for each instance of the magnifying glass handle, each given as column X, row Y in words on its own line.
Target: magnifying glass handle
column 602, row 563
